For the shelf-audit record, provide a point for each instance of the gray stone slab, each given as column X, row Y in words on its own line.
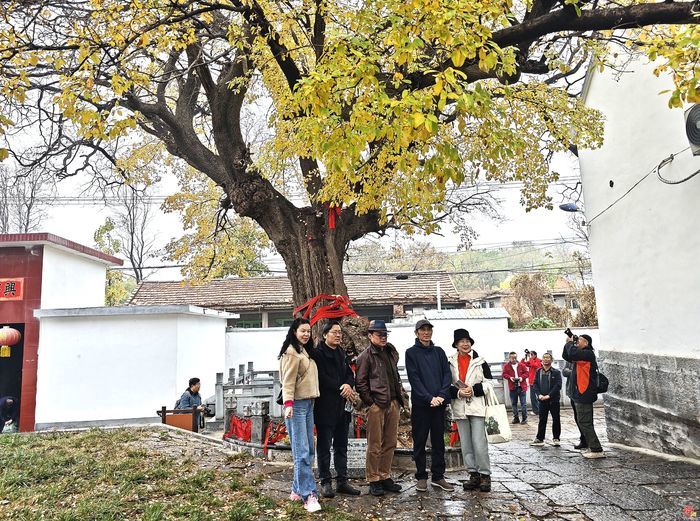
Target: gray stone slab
column 518, row 486
column 605, row 513
column 631, row 497
column 574, row 494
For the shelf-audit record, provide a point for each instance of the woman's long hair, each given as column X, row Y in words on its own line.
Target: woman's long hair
column 291, row 339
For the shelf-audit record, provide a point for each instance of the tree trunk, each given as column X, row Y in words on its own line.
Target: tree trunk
column 313, row 254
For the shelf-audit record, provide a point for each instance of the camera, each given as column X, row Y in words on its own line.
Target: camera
column 568, row 332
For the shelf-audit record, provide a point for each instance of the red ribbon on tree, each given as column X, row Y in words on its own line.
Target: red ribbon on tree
column 272, row 437
column 333, row 214
column 339, row 307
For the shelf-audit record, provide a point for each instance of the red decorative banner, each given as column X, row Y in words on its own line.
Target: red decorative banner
column 11, row 289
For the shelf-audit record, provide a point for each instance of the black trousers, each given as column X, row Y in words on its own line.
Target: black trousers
column 424, row 421
column 336, row 436
column 582, row 438
column 547, row 407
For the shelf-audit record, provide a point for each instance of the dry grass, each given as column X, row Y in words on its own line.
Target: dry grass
column 130, row 474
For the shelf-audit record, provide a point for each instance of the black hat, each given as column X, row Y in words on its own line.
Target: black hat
column 459, row 335
column 590, row 340
column 422, row 323
column 377, row 325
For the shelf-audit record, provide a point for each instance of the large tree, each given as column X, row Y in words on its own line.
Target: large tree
column 388, row 110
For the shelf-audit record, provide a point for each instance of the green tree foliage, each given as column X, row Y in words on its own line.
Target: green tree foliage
column 215, row 244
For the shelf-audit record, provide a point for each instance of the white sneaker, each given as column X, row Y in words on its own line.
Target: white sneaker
column 311, row 504
column 556, row 442
column 594, row 455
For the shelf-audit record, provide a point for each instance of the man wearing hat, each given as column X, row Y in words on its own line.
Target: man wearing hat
column 378, row 383
column 429, row 373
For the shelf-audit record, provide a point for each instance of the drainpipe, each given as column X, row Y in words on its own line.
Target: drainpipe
column 439, row 299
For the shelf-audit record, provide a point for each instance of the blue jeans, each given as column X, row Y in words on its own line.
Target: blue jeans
column 301, row 436
column 535, row 402
column 516, row 394
column 475, row 445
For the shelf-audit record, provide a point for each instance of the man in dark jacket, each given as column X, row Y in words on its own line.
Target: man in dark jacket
column 331, row 411
column 379, row 386
column 547, row 390
column 430, row 377
column 9, row 412
column 584, row 388
column 566, row 372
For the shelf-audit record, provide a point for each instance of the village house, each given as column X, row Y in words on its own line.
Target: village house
column 265, row 302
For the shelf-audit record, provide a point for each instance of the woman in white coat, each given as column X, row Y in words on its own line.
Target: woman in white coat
column 470, row 382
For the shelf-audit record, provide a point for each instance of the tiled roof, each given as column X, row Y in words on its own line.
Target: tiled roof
column 276, row 292
column 30, row 239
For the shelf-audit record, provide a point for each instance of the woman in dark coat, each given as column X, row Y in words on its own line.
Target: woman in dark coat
column 335, row 380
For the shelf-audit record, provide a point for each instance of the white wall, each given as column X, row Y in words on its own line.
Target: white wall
column 95, row 368
column 70, row 280
column 200, row 352
column 261, row 346
column 645, row 249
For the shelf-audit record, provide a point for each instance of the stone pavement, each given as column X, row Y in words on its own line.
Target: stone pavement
column 544, row 483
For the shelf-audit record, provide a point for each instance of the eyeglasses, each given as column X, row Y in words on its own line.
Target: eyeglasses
column 380, row 334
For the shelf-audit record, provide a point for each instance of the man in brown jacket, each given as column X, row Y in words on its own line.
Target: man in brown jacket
column 378, row 383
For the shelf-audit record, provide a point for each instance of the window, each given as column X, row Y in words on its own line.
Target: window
column 492, row 304
column 279, row 319
column 385, row 313
column 248, row 320
column 574, row 303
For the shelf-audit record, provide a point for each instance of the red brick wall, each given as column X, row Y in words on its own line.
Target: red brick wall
column 19, row 262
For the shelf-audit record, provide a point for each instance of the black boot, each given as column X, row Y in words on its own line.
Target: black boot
column 346, row 488
column 473, row 483
column 485, row 485
column 327, row 490
column 581, row 445
column 389, row 485
column 376, row 489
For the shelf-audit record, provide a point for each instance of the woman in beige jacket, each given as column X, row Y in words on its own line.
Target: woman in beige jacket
column 299, row 378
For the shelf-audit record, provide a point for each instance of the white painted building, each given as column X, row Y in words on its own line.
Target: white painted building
column 101, row 366
column 645, row 250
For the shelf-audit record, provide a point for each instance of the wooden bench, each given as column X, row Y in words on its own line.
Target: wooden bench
column 187, row 419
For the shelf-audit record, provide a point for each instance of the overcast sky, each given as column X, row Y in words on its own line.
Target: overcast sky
column 79, row 222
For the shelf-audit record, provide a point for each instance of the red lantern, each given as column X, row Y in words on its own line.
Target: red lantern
column 8, row 337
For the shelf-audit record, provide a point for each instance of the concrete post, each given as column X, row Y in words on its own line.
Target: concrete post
column 219, row 396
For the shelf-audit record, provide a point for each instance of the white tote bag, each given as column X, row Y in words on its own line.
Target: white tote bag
column 496, row 419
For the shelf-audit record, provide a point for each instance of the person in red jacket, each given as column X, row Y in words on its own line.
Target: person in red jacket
column 516, row 374
column 533, row 364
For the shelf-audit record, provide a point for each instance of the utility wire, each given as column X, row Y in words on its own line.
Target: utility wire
column 656, row 169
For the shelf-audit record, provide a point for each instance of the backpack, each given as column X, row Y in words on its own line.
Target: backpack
column 602, row 383
column 177, row 404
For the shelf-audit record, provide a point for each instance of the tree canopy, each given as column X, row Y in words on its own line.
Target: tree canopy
column 376, row 113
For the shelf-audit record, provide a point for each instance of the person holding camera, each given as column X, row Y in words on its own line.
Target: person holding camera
column 191, row 397
column 584, row 387
column 516, row 374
